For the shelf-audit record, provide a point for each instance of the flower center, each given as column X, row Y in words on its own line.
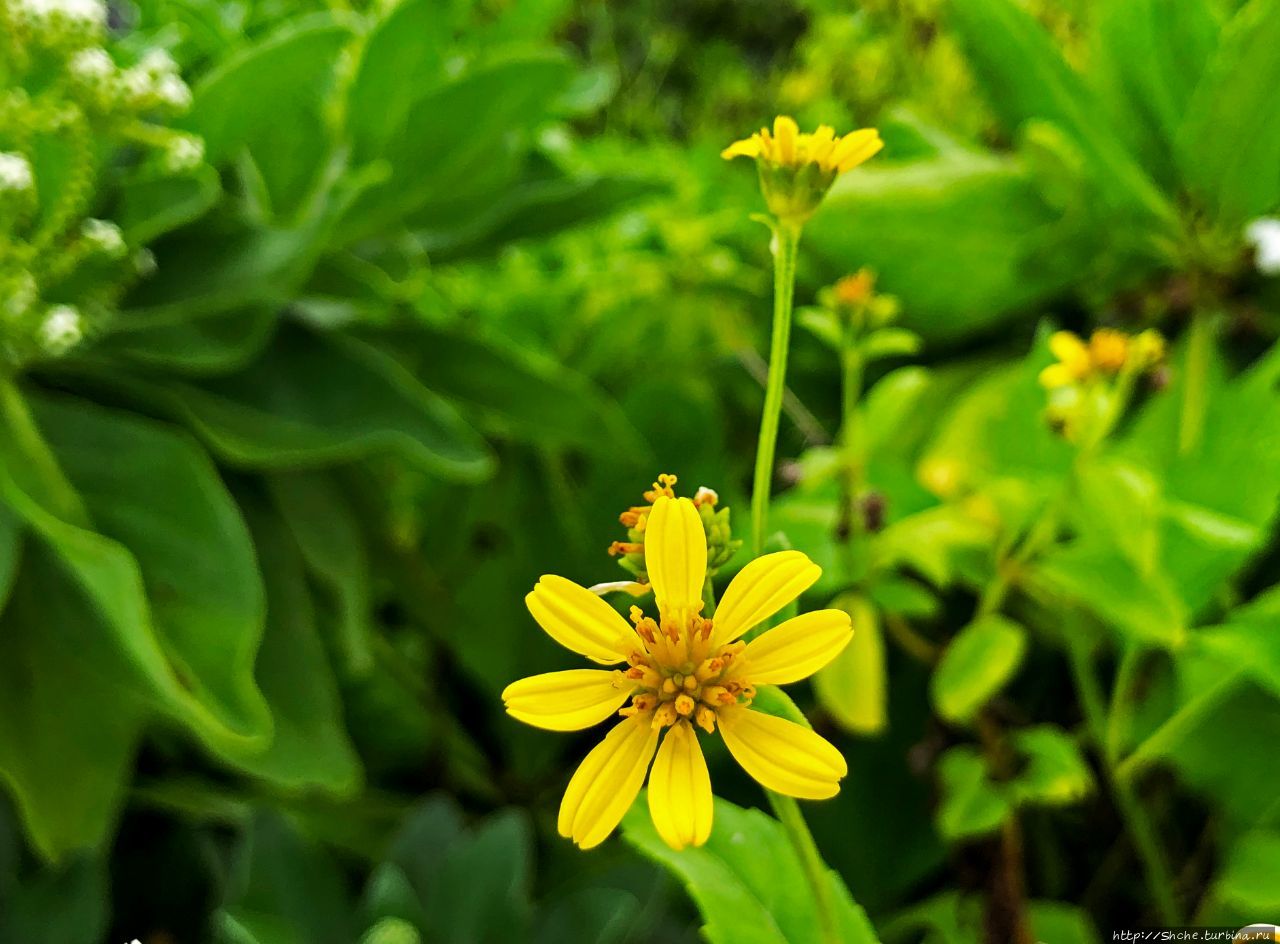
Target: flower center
column 680, row 674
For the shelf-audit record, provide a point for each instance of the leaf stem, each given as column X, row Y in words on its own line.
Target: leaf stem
column 786, row 243
column 788, row 812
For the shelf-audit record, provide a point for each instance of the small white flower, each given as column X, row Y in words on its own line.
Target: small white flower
column 22, row 294
column 81, row 16
column 92, row 66
column 104, row 236
column 137, row 84
column 183, row 152
column 158, row 62
column 144, row 262
column 173, row 92
column 62, row 329
column 15, row 173
column 1264, row 235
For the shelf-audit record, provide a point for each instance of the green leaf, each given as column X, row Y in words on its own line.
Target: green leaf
column 1229, row 142
column 483, row 109
column 1247, row 879
column 63, row 906
column 520, row 395
column 891, row 342
column 402, row 60
column 972, row 805
column 1248, row 640
column 895, row 396
column 747, row 881
column 918, row 224
column 590, row 916
column 328, row 533
column 152, row 206
column 205, row 346
column 10, row 552
column 1026, row 79
column 1055, row 773
column 854, row 687
column 1149, row 56
column 976, row 664
column 309, row 747
column 272, row 92
column 481, row 892
column 152, row 490
column 55, row 691
column 285, row 889
column 287, row 409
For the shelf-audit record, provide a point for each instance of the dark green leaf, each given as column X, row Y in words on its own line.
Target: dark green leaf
column 481, row 893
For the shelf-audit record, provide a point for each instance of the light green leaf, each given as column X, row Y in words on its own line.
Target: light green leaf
column 1229, row 142
column 891, row 342
column 894, row 397
column 1247, row 879
column 854, row 687
column 746, row 881
column 1055, row 773
column 972, row 805
column 976, row 664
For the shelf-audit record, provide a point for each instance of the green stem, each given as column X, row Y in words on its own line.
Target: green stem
column 1137, row 823
column 853, row 458
column 788, row 812
column 787, row 238
column 1195, row 383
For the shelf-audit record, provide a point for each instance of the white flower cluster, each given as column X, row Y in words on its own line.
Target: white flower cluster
column 62, row 329
column 183, row 152
column 15, row 173
column 154, row 82
column 59, row 22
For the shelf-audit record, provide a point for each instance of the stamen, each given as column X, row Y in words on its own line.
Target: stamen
column 669, row 686
column 622, row 548
column 684, row 705
column 709, row 669
column 706, row 719
column 690, row 683
column 716, row 695
column 665, row 715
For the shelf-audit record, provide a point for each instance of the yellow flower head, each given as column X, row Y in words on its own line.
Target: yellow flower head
column 856, row 289
column 1108, row 350
column 1107, row 353
column 685, row 674
column 797, row 169
column 1074, row 363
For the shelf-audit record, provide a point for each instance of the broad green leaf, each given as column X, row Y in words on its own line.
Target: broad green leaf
column 1053, row 773
column 152, row 490
column 964, row 241
column 57, row 906
column 1120, row 502
column 202, row 347
column 1027, row 79
column 285, row 889
column 890, row 401
column 68, row 725
column 268, row 99
column 854, row 686
column 389, row 895
column 1248, row 640
column 1142, row 606
column 478, row 113
column 1247, row 879
column 592, row 916
column 287, row 409
column 747, row 881
column 520, row 394
column 325, row 527
column 976, row 664
column 309, row 747
column 402, row 59
column 933, row 542
column 1148, row 58
column 1229, row 142
column 419, row 846
column 481, row 892
column 972, row 804
column 152, row 206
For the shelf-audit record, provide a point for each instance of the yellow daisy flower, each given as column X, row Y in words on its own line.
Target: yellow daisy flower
column 798, row 168
column 1108, row 350
column 684, row 673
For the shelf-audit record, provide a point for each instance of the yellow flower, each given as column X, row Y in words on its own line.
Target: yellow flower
column 683, row 671
column 856, row 289
column 1108, row 350
column 1074, row 363
column 797, row 169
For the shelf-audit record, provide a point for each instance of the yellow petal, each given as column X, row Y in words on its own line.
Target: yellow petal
column 797, row 648
column 1056, row 375
column 785, row 132
column 607, row 781
column 567, row 701
column 784, row 756
column 748, row 147
column 675, row 554
column 680, row 789
column 1069, row 349
column 761, row 589
column 855, row 148
column 579, row 620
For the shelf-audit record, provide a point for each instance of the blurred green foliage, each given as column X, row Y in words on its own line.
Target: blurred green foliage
column 326, row 329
